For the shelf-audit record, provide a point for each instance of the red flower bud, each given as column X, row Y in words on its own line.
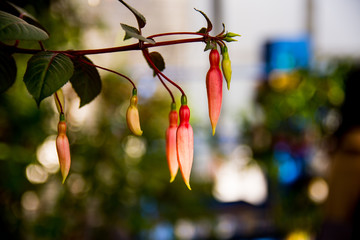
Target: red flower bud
column 171, row 153
column 214, row 88
column 63, row 150
column 185, row 142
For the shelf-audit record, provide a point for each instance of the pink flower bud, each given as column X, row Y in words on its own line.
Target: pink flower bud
column 171, row 153
column 214, row 83
column 185, row 142
column 63, row 150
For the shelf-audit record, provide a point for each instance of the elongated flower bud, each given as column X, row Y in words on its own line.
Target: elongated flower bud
column 214, row 88
column 132, row 115
column 185, row 142
column 63, row 149
column 59, row 101
column 171, row 153
column 226, row 65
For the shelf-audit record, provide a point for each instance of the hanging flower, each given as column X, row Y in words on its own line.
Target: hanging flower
column 132, row 115
column 226, row 65
column 185, row 142
column 214, row 88
column 171, row 153
column 63, row 148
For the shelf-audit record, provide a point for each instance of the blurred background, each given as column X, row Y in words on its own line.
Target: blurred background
column 284, row 163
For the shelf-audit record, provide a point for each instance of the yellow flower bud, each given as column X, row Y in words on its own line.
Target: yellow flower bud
column 226, row 66
column 132, row 116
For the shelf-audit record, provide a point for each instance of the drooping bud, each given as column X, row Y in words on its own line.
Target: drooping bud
column 171, row 153
column 59, row 101
column 185, row 142
column 214, row 88
column 226, row 65
column 63, row 148
column 132, row 115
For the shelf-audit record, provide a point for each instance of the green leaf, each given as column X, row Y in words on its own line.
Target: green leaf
column 210, row 45
column 7, row 71
column 158, row 61
column 229, row 39
column 231, row 34
column 209, row 24
column 133, row 32
column 139, row 17
column 27, row 16
column 129, row 29
column 85, row 80
column 14, row 28
column 47, row 72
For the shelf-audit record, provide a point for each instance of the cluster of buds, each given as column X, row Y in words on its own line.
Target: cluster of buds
column 180, row 142
column 48, row 70
column 179, row 137
column 62, row 142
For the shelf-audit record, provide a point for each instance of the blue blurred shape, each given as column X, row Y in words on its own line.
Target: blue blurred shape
column 288, row 167
column 162, row 231
column 287, row 54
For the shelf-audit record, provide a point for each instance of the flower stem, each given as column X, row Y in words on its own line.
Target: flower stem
column 131, row 47
column 148, row 58
column 167, row 88
column 109, row 70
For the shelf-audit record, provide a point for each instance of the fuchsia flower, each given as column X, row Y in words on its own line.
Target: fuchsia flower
column 62, row 142
column 63, row 149
column 171, row 153
column 185, row 142
column 214, row 88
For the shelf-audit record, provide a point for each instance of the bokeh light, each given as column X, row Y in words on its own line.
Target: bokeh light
column 47, row 155
column 298, row 235
column 235, row 179
column 36, row 174
column 30, row 201
column 135, row 147
column 318, row 190
column 184, row 229
column 93, row 3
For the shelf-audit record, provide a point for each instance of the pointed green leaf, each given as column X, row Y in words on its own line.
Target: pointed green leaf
column 47, row 72
column 85, row 80
column 231, row 34
column 229, row 39
column 210, row 45
column 139, row 17
column 7, row 71
column 158, row 61
column 133, row 32
column 21, row 10
column 14, row 28
column 209, row 24
column 129, row 29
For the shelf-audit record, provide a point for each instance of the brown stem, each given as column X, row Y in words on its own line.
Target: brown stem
column 109, row 70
